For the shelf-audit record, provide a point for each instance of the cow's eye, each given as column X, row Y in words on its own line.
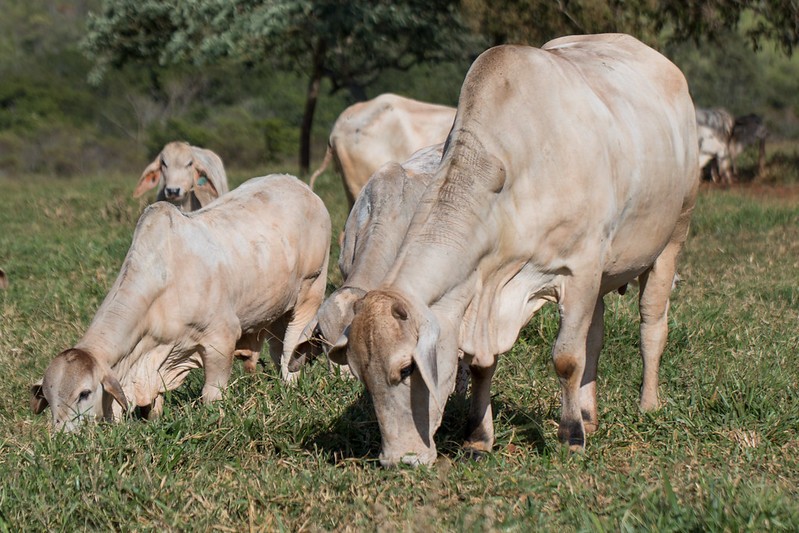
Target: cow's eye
column 163, row 164
column 408, row 370
column 84, row 395
column 190, row 163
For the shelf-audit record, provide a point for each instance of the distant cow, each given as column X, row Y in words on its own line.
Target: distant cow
column 386, row 128
column 714, row 130
column 748, row 130
column 188, row 177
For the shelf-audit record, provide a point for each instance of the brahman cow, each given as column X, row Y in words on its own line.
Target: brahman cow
column 194, row 291
column 517, row 217
column 189, row 177
column 714, row 131
column 387, row 128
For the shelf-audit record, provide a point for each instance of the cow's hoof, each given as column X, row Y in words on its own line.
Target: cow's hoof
column 577, row 447
column 572, row 435
column 590, row 427
column 473, row 455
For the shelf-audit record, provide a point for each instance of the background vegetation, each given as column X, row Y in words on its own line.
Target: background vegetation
column 247, row 100
column 721, row 454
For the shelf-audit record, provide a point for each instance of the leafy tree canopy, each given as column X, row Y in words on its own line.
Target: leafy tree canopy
column 349, row 43
column 657, row 22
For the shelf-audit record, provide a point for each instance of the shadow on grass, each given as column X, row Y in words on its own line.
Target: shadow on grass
column 356, row 435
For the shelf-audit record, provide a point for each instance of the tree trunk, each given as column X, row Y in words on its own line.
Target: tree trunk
column 311, row 97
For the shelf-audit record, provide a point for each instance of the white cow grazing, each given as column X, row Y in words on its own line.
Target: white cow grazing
column 372, row 236
column 387, row 128
column 189, row 177
column 194, row 291
column 516, row 217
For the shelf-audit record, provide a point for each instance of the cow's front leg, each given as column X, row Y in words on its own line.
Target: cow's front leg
column 577, row 305
column 480, row 425
column 217, row 358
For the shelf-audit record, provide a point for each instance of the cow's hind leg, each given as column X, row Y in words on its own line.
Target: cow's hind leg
column 248, row 349
column 655, row 291
column 275, row 332
column 593, row 347
column 480, row 425
column 577, row 305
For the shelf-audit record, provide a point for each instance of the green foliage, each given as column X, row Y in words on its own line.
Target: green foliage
column 535, row 22
column 350, row 44
column 234, row 135
column 279, row 138
column 656, row 22
column 353, row 42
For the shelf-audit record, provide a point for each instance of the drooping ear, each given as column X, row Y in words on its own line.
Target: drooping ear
column 309, row 347
column 149, row 178
column 204, row 188
column 399, row 311
column 38, row 401
column 425, row 353
column 338, row 351
column 112, row 387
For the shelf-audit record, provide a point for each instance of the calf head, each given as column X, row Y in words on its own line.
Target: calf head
column 392, row 348
column 180, row 173
column 77, row 387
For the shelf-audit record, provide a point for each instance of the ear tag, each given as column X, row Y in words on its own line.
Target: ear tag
column 202, row 180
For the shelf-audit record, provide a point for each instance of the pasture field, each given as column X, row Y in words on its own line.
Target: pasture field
column 722, row 453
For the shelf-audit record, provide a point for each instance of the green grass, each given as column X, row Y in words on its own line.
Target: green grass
column 720, row 455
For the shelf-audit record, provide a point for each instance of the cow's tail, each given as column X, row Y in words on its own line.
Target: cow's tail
column 323, row 167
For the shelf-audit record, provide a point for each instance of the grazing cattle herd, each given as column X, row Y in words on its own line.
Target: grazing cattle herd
column 463, row 223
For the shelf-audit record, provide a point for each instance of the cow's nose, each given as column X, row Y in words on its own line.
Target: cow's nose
column 172, row 193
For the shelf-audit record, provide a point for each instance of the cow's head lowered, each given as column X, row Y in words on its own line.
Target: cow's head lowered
column 178, row 169
column 392, row 347
column 77, row 387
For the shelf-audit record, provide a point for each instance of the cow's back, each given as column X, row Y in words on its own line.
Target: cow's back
column 591, row 133
column 258, row 243
column 387, row 128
